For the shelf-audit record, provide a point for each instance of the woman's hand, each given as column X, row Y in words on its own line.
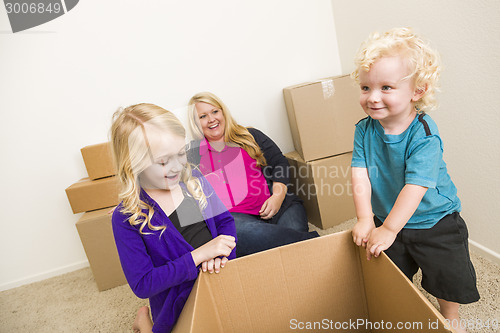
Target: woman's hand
column 220, row 246
column 272, row 205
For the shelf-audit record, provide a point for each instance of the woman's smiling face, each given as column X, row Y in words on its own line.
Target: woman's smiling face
column 212, row 121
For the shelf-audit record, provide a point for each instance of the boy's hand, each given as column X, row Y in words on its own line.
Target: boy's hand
column 361, row 231
column 380, row 239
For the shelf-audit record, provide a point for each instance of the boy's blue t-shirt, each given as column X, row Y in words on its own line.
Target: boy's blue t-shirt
column 412, row 157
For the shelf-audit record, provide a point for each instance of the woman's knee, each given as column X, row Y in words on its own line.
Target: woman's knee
column 294, row 217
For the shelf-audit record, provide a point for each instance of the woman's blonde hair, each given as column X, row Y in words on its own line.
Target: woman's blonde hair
column 424, row 62
column 233, row 132
column 132, row 155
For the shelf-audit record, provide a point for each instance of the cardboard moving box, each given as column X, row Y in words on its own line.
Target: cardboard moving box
column 97, row 238
column 86, row 195
column 325, row 187
column 98, row 160
column 323, row 284
column 322, row 116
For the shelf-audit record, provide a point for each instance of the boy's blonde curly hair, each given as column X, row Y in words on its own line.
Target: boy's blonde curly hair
column 424, row 62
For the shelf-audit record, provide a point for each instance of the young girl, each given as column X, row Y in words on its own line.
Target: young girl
column 406, row 202
column 169, row 221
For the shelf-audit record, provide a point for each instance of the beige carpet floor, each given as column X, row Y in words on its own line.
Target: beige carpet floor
column 72, row 303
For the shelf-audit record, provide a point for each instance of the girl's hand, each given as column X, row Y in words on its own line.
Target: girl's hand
column 270, row 207
column 220, row 246
column 361, row 231
column 213, row 265
column 380, row 239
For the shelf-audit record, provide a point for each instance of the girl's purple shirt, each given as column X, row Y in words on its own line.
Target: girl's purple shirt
column 161, row 268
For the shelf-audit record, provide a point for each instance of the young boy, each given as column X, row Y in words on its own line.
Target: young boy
column 398, row 172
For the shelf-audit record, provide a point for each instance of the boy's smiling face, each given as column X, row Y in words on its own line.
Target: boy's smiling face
column 387, row 95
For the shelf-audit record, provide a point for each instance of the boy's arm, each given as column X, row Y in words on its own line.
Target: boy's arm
column 362, row 193
column 406, row 204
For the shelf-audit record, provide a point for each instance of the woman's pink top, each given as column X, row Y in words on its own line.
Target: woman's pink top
column 235, row 177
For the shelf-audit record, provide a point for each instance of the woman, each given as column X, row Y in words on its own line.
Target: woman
column 249, row 174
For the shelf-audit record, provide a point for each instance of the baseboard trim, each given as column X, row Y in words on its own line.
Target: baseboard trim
column 475, row 246
column 484, row 251
column 44, row 275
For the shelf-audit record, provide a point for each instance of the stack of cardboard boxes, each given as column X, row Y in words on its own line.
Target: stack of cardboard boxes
column 322, row 118
column 97, row 195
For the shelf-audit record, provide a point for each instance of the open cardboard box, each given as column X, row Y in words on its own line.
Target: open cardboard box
column 323, row 284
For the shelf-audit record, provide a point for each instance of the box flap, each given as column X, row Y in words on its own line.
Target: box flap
column 303, row 84
column 391, row 297
column 199, row 313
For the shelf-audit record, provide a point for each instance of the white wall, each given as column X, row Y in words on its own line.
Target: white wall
column 467, row 34
column 60, row 83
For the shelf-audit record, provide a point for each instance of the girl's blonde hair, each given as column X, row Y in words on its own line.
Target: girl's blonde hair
column 233, row 132
column 424, row 62
column 132, row 155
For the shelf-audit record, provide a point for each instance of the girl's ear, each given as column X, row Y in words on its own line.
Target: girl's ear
column 419, row 92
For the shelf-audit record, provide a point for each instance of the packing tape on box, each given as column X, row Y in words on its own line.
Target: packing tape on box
column 328, row 88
